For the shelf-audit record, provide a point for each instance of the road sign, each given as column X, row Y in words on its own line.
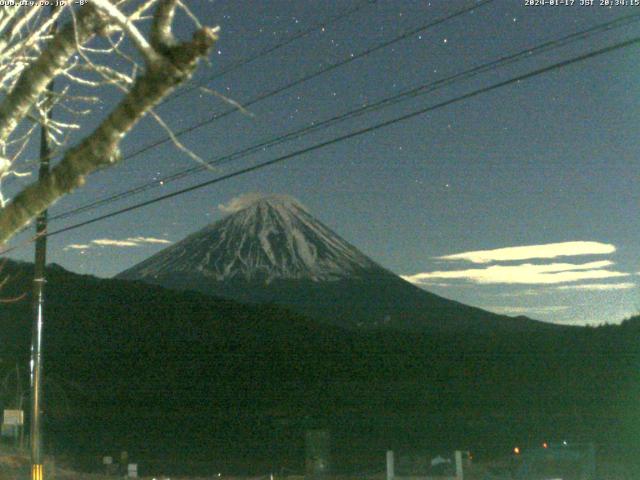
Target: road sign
column 13, row 417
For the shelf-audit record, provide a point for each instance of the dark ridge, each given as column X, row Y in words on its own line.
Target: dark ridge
column 190, row 384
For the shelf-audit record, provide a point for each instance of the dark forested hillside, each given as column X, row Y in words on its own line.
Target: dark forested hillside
column 176, row 376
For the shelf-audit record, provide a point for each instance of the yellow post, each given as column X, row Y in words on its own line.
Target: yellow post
column 36, row 471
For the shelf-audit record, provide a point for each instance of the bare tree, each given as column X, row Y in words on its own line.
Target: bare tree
column 99, row 44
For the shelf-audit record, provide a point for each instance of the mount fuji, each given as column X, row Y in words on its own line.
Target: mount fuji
column 272, row 250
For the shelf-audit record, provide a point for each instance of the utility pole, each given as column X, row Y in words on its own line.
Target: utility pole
column 38, row 316
column 37, row 467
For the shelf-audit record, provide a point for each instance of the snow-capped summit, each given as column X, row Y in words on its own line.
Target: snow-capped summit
column 266, row 238
column 270, row 249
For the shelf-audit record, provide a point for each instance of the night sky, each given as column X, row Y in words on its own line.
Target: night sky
column 548, row 160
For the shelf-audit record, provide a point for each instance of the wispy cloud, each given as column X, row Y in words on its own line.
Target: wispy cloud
column 526, row 252
column 510, row 310
column 111, row 242
column 526, row 273
column 149, row 240
column 239, row 202
column 438, row 284
column 581, row 286
column 529, row 273
column 77, row 246
column 529, row 292
column 107, row 242
column 599, row 286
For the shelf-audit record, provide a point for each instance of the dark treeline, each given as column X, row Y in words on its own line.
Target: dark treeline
column 183, row 379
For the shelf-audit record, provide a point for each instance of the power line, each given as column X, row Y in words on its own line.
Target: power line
column 268, row 50
column 411, row 93
column 308, row 77
column 519, row 78
column 241, row 62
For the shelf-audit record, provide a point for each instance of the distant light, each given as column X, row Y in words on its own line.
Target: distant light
column 545, row 445
column 516, row 450
column 564, row 442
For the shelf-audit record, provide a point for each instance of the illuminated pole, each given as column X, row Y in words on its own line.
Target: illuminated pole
column 38, row 317
column 37, row 468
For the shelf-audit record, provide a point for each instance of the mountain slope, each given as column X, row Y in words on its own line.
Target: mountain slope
column 274, row 238
column 186, row 382
column 274, row 251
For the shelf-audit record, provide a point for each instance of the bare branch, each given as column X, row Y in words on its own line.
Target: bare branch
column 190, row 14
column 34, row 79
column 161, row 35
column 100, row 149
column 228, row 100
column 179, row 145
column 138, row 14
column 136, row 36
